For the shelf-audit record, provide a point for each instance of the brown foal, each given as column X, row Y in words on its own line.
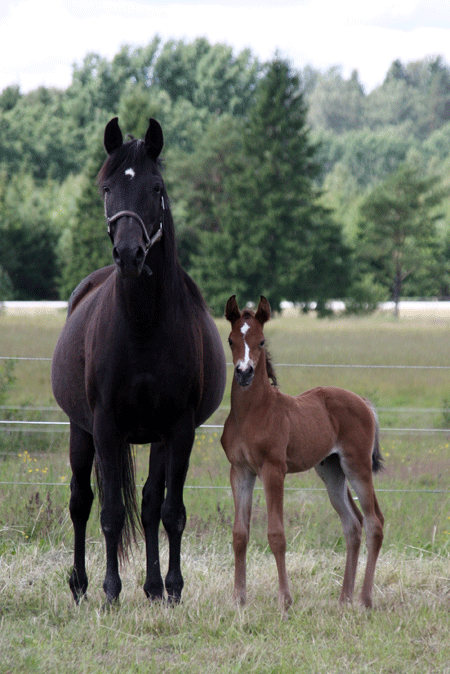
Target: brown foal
column 268, row 434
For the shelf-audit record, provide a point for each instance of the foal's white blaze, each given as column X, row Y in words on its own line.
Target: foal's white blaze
column 246, row 362
column 130, row 172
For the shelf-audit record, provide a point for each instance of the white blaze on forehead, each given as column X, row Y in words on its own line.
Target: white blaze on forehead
column 130, row 172
column 246, row 362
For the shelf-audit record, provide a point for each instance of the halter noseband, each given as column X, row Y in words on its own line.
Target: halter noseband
column 149, row 241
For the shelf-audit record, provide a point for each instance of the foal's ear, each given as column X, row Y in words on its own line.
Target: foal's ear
column 263, row 312
column 232, row 312
column 154, row 139
column 113, row 138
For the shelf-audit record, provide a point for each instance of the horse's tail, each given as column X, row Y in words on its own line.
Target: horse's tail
column 132, row 522
column 377, row 458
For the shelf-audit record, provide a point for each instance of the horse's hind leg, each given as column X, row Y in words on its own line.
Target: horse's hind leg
column 242, row 484
column 81, row 497
column 330, row 471
column 152, row 498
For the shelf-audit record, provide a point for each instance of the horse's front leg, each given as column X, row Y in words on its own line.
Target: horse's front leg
column 242, row 484
column 273, row 476
column 173, row 512
column 112, row 515
column 81, row 497
column 152, row 498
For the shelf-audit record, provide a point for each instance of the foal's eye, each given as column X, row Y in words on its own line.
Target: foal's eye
column 230, row 341
column 261, row 344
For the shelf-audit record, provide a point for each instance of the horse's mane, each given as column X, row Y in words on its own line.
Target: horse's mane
column 248, row 313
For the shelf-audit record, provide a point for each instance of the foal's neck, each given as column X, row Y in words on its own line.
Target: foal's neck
column 255, row 395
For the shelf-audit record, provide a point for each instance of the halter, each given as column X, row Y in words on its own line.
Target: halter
column 149, row 241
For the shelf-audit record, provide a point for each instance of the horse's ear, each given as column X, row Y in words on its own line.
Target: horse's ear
column 232, row 312
column 113, row 138
column 154, row 139
column 263, row 312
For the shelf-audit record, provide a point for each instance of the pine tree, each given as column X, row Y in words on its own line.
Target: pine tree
column 271, row 225
column 397, row 236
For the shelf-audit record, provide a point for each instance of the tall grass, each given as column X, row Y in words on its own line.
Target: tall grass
column 42, row 631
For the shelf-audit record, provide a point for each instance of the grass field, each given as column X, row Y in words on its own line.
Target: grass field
column 408, row 631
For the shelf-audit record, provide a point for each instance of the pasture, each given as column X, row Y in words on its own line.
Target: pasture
column 408, row 630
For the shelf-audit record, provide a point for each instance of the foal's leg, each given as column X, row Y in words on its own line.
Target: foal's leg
column 362, row 483
column 152, row 498
column 81, row 497
column 242, row 483
column 273, row 476
column 173, row 512
column 331, row 472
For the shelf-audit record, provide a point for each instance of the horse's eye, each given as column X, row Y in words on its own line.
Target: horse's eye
column 105, row 189
column 157, row 188
column 230, row 341
column 261, row 344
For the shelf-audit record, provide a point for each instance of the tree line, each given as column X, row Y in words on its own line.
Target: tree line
column 293, row 184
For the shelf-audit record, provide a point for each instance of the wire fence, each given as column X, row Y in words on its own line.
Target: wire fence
column 61, row 426
column 55, row 426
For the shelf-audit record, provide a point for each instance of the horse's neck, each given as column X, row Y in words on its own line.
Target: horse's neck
column 256, row 396
column 146, row 299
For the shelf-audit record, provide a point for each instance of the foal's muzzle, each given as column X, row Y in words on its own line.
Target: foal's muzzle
column 244, row 377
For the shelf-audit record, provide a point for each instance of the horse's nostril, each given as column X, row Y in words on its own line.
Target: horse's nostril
column 116, row 257
column 140, row 257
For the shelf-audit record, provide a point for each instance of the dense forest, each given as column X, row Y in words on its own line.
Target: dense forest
column 294, row 184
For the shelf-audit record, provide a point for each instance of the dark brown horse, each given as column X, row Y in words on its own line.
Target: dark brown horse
column 268, row 434
column 138, row 361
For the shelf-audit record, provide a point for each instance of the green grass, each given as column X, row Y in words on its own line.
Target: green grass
column 42, row 631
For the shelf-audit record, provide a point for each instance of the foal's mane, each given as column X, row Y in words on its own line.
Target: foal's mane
column 248, row 313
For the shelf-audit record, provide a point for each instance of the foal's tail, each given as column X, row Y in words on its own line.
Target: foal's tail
column 128, row 488
column 377, row 459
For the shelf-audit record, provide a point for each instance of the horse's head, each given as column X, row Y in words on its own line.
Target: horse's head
column 132, row 190
column 246, row 338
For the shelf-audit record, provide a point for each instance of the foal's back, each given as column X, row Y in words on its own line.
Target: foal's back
column 319, row 422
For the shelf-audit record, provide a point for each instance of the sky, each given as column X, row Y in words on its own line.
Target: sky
column 41, row 41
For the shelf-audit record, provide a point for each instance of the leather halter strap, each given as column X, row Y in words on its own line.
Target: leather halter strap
column 149, row 241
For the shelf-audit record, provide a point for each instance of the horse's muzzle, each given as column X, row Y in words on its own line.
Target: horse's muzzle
column 129, row 260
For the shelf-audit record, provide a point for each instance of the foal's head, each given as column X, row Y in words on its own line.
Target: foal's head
column 132, row 189
column 247, row 340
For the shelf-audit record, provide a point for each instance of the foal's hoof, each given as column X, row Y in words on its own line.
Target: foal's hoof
column 285, row 603
column 366, row 602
